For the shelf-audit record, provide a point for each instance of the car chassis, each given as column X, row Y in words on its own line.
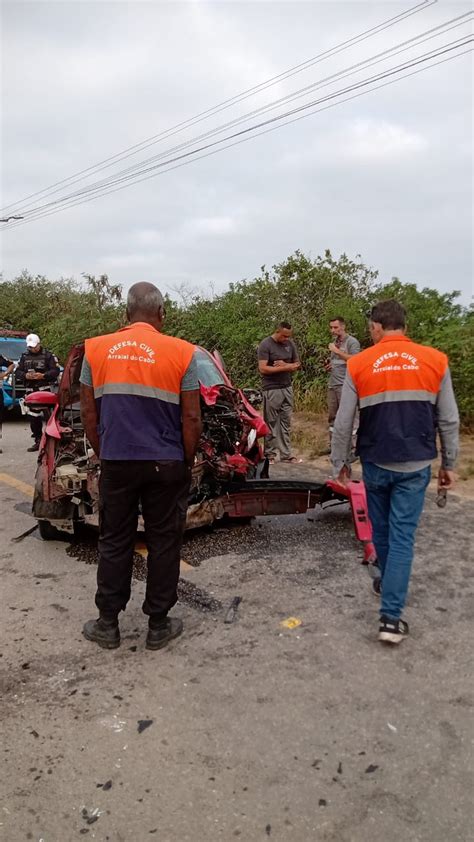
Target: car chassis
column 230, row 477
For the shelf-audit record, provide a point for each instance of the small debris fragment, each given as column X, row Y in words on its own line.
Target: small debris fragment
column 107, row 785
column 291, row 623
column 322, row 802
column 34, row 733
column 315, row 763
column 268, row 829
column 231, row 612
column 60, row 608
column 24, row 534
column 144, row 723
column 339, row 768
column 133, row 648
column 371, row 768
column 90, row 816
column 392, row 727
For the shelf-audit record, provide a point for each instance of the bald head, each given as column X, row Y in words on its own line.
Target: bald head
column 145, row 304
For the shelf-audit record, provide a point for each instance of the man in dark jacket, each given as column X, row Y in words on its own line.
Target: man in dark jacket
column 37, row 370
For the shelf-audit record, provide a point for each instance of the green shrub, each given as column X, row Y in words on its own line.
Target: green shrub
column 306, row 292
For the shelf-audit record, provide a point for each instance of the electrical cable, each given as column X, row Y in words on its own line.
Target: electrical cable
column 347, row 72
column 132, row 150
column 371, row 61
column 120, row 177
column 45, row 211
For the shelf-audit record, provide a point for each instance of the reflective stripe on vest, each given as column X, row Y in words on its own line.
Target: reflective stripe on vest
column 398, row 395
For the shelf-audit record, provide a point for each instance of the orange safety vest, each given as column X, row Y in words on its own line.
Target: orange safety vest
column 136, row 376
column 397, row 383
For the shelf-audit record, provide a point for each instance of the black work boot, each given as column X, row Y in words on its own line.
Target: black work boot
column 35, row 446
column 160, row 633
column 103, row 631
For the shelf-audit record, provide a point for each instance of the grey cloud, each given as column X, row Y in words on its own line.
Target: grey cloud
column 84, row 80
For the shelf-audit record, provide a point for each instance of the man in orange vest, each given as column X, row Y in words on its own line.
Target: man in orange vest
column 405, row 396
column 141, row 414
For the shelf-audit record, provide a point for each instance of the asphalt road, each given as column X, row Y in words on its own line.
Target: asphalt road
column 249, row 730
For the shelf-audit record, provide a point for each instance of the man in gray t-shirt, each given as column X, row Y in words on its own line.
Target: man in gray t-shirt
column 277, row 360
column 342, row 347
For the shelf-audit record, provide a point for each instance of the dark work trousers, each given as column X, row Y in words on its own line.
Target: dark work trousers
column 162, row 488
column 36, row 426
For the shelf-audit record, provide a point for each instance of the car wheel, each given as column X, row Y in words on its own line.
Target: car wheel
column 49, row 532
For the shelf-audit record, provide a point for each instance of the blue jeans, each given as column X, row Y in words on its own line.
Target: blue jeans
column 395, row 502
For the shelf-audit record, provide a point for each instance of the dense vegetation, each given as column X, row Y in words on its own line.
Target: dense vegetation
column 307, row 292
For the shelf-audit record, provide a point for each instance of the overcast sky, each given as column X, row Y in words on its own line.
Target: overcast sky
column 387, row 175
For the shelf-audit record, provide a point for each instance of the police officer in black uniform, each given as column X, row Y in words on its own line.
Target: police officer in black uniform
column 37, row 370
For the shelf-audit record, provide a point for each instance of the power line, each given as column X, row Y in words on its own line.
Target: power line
column 233, row 141
column 47, row 210
column 204, row 115
column 266, row 131
column 347, row 72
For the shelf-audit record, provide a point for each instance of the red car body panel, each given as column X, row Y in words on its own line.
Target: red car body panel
column 227, row 475
column 229, row 449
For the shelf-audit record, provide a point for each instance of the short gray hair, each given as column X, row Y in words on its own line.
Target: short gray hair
column 144, row 297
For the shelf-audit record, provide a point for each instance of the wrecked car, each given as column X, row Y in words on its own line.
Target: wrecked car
column 229, row 477
column 230, row 448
